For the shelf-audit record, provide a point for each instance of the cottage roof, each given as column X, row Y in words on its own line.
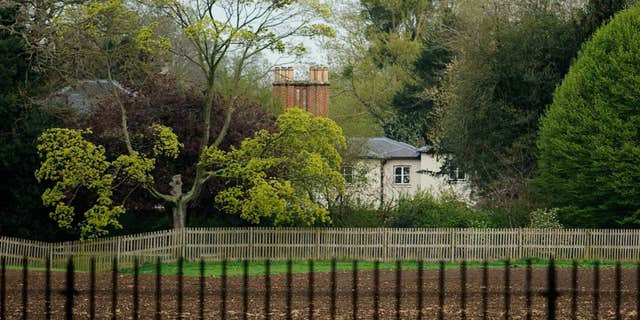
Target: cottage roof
column 426, row 149
column 382, row 148
column 84, row 95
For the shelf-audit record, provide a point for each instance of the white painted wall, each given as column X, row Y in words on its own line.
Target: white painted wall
column 392, row 190
column 367, row 189
column 437, row 184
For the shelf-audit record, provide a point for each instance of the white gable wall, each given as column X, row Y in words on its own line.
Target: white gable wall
column 392, row 190
column 439, row 183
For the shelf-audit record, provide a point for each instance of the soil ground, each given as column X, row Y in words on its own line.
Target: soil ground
column 408, row 310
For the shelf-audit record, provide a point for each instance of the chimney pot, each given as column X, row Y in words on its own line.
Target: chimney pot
column 290, row 74
column 311, row 95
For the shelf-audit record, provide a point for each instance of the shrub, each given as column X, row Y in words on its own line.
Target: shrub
column 350, row 214
column 423, row 210
column 545, row 219
column 358, row 217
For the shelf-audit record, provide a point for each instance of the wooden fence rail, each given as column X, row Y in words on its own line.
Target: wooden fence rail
column 325, row 243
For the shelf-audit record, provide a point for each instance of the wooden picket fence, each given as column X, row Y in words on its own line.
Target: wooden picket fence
column 385, row 244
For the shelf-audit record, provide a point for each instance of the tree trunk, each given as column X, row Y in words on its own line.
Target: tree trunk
column 179, row 214
column 180, row 203
column 179, row 218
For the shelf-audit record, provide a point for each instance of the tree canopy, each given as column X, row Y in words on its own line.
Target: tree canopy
column 22, row 122
column 114, row 39
column 289, row 177
column 393, row 53
column 509, row 58
column 108, row 40
column 589, row 162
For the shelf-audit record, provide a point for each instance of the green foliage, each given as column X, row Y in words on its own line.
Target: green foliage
column 166, row 142
column 350, row 114
column 356, row 216
column 288, row 176
column 414, row 104
column 510, row 56
column 589, row 161
column 377, row 58
column 20, row 206
column 74, row 163
column 423, row 210
column 108, row 40
column 598, row 12
column 545, row 219
column 77, row 166
column 396, row 55
column 136, row 167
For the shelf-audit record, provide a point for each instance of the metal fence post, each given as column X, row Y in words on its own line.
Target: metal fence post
column 552, row 293
column 69, row 288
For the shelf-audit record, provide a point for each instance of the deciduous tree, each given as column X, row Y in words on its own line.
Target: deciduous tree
column 393, row 57
column 289, row 177
column 218, row 31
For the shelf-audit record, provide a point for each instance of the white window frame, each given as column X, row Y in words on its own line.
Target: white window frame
column 350, row 174
column 457, row 175
column 402, row 175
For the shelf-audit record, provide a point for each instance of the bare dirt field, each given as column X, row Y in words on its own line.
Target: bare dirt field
column 212, row 301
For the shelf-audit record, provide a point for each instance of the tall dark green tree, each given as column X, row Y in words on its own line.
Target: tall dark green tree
column 589, row 142
column 20, row 206
column 414, row 105
column 384, row 63
column 410, row 109
column 509, row 59
column 598, row 12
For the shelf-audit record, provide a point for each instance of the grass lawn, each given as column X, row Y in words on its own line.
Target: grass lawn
column 256, row 268
column 32, row 268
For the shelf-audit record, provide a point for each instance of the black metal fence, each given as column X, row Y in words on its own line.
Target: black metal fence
column 389, row 300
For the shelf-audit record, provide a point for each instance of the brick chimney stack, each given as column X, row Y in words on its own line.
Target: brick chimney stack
column 311, row 95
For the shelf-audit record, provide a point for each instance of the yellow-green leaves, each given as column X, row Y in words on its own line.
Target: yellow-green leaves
column 318, row 29
column 110, row 40
column 166, row 142
column 207, row 29
column 287, row 177
column 76, row 165
column 320, row 8
column 135, row 167
column 264, row 199
column 149, row 42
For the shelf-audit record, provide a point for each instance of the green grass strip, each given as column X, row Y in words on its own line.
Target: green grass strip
column 257, row 268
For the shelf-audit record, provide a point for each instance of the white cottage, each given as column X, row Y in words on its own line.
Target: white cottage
column 377, row 170
column 380, row 170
